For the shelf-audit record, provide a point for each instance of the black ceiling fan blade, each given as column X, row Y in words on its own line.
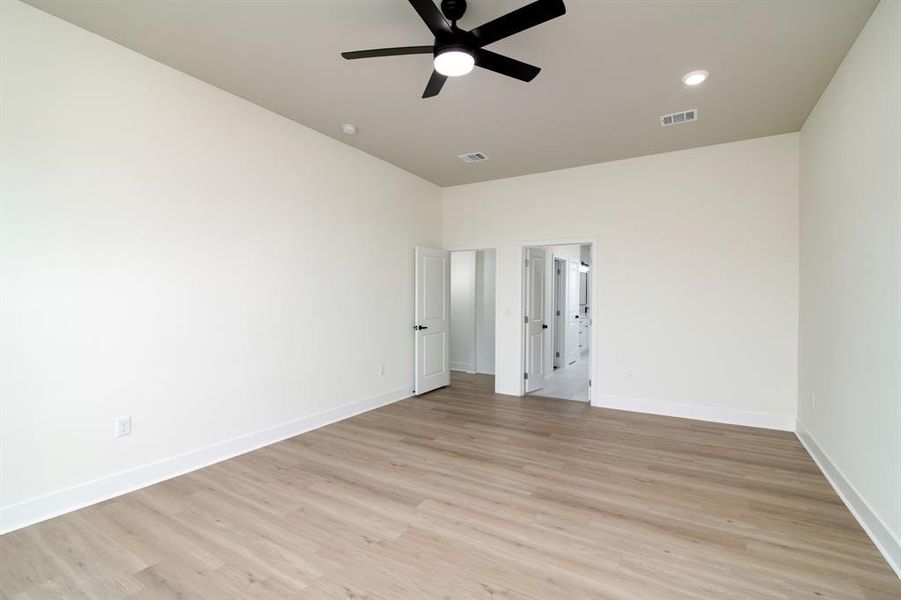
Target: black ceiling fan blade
column 506, row 65
column 520, row 19
column 432, row 17
column 436, row 82
column 388, row 52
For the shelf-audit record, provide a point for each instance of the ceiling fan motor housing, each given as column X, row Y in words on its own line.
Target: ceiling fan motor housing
column 442, row 46
column 453, row 9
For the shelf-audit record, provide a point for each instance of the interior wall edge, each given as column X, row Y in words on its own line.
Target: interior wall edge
column 507, row 388
column 54, row 504
column 874, row 526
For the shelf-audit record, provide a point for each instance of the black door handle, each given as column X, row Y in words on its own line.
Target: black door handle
column 420, row 327
column 544, row 326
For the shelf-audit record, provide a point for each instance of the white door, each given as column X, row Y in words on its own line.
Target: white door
column 572, row 312
column 534, row 321
column 432, row 314
column 560, row 315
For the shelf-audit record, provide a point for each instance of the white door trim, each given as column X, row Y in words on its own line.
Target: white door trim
column 596, row 307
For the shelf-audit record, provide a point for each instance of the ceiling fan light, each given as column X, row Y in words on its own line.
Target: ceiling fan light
column 453, row 63
column 695, row 78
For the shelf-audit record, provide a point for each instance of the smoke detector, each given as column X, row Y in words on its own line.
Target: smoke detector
column 678, row 118
column 473, row 157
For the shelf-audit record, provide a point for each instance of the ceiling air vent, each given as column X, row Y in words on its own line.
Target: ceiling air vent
column 678, row 118
column 474, row 157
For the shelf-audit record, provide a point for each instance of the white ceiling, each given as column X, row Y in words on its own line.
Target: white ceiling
column 609, row 69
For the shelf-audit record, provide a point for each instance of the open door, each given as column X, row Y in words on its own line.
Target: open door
column 560, row 314
column 572, row 312
column 534, row 321
column 432, row 319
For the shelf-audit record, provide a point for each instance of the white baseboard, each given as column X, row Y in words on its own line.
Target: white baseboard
column 700, row 413
column 21, row 514
column 884, row 540
column 461, row 366
column 507, row 388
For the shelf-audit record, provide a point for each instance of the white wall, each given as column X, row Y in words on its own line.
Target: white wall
column 850, row 325
column 485, row 310
column 463, row 311
column 697, row 270
column 177, row 254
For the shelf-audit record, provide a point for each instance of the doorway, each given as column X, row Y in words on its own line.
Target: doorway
column 473, row 311
column 557, row 321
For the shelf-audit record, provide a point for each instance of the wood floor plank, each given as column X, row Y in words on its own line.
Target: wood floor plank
column 464, row 494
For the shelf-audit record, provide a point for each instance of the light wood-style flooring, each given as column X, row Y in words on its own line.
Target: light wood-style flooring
column 464, row 494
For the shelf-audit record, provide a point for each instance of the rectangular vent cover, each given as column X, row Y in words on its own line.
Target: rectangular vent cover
column 474, row 157
column 678, row 118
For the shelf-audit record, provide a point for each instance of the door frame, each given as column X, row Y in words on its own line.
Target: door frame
column 497, row 296
column 593, row 395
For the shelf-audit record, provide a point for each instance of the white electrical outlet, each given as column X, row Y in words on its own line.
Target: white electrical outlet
column 382, row 369
column 123, row 426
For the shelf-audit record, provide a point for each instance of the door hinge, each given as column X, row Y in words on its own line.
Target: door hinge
column 527, row 262
column 525, row 375
column 558, row 313
column 557, row 354
column 525, row 319
column 559, row 272
column 589, row 382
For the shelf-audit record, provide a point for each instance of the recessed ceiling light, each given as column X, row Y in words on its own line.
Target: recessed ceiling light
column 454, row 63
column 695, row 77
column 349, row 129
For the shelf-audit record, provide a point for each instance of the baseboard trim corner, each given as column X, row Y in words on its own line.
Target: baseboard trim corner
column 35, row 510
column 700, row 413
column 881, row 536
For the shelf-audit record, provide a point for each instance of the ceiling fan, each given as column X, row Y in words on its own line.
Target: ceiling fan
column 457, row 51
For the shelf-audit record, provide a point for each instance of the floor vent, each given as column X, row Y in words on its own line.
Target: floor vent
column 685, row 116
column 474, row 157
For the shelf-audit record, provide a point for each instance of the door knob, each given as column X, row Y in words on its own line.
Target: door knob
column 544, row 326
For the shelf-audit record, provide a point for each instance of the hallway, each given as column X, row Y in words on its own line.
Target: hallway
column 568, row 383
